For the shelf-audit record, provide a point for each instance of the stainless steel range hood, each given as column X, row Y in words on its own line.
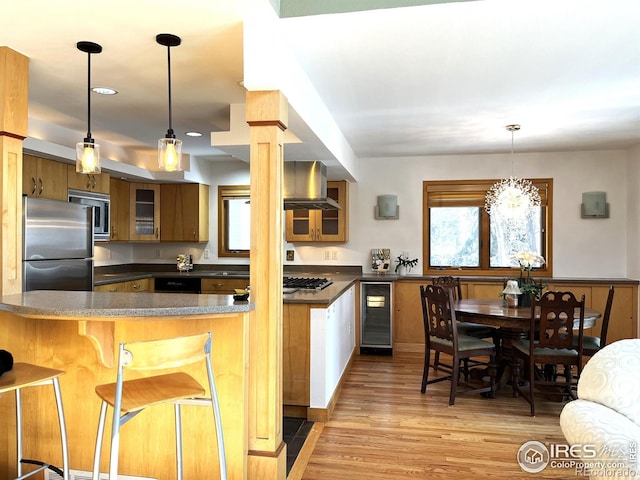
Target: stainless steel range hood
column 305, row 187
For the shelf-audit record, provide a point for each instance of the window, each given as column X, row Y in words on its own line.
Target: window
column 459, row 236
column 234, row 221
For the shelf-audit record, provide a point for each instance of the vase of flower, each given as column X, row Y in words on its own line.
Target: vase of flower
column 528, row 286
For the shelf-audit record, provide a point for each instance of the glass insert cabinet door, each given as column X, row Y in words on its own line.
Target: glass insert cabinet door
column 320, row 225
column 145, row 205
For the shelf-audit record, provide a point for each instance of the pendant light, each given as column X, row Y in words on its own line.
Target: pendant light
column 169, row 147
column 512, row 197
column 87, row 151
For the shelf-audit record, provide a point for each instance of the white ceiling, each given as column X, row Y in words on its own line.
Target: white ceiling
column 436, row 79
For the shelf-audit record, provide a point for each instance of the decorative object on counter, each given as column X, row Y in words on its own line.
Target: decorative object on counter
column 184, row 263
column 512, row 197
column 386, row 208
column 380, row 259
column 511, row 293
column 87, row 151
column 169, row 147
column 241, row 295
column 404, row 265
column 6, row 361
column 594, row 205
column 528, row 286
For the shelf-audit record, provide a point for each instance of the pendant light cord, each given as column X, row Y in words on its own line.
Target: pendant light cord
column 512, row 153
column 89, row 95
column 169, row 84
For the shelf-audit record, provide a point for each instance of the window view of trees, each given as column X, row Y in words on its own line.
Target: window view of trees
column 459, row 235
column 454, row 237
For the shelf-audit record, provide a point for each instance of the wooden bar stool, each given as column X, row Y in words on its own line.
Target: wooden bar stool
column 130, row 397
column 24, row 375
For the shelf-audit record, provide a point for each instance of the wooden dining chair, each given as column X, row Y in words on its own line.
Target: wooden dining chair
column 592, row 344
column 441, row 335
column 465, row 328
column 130, row 397
column 552, row 346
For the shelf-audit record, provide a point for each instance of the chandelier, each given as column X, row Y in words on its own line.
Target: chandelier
column 512, row 197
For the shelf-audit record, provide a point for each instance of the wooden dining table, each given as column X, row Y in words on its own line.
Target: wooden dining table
column 513, row 323
column 493, row 312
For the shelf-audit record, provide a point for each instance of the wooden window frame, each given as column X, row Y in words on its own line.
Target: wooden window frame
column 471, row 193
column 226, row 192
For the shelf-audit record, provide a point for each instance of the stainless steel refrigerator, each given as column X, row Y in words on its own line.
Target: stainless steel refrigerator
column 58, row 245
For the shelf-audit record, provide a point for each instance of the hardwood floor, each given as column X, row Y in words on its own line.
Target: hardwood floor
column 383, row 428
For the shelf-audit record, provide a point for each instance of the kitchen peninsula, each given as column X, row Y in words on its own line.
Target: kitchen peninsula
column 78, row 332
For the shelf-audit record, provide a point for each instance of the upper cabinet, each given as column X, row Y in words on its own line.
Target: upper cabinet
column 185, row 216
column 119, row 190
column 44, row 178
column 144, row 210
column 321, row 225
column 90, row 183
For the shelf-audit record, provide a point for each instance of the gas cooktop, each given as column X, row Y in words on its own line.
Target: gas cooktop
column 306, row 283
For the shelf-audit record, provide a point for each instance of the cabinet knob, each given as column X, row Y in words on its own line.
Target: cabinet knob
column 94, row 181
column 317, row 234
column 35, row 186
column 157, row 232
column 41, row 186
column 88, row 181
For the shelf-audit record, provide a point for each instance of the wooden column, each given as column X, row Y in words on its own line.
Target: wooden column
column 14, row 98
column 267, row 119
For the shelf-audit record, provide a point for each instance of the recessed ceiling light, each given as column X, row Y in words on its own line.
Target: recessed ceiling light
column 193, row 134
column 104, row 90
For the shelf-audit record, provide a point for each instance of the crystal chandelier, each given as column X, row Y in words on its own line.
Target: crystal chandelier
column 512, row 197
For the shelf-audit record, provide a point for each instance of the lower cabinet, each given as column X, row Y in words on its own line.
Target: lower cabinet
column 408, row 329
column 225, row 286
column 317, row 344
column 134, row 286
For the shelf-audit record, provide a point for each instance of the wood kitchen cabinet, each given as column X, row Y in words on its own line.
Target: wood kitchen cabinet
column 144, row 212
column 296, row 358
column 321, row 225
column 318, row 344
column 408, row 328
column 98, row 183
column 224, row 286
column 120, row 191
column 132, row 286
column 623, row 322
column 185, row 217
column 44, row 178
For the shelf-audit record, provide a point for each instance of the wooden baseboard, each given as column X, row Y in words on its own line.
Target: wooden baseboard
column 408, row 347
column 295, row 411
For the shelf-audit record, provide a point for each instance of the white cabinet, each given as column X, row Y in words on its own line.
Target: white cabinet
column 333, row 341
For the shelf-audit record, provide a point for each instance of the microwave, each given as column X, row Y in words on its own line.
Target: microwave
column 101, row 211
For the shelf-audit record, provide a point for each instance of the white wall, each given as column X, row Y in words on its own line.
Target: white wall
column 589, row 248
column 633, row 215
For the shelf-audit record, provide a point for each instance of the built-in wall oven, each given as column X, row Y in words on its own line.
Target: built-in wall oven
column 101, row 211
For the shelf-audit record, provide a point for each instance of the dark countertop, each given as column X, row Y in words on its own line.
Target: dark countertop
column 326, row 296
column 342, row 277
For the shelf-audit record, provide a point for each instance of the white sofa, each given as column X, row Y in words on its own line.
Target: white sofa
column 606, row 417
